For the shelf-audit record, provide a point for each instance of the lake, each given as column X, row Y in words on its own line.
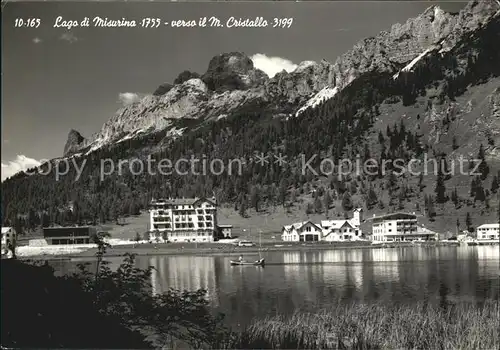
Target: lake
column 306, row 280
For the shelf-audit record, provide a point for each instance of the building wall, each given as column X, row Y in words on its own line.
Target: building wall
column 395, row 230
column 306, row 233
column 69, row 235
column 345, row 233
column 290, row 236
column 357, row 217
column 8, row 237
column 309, row 233
column 68, row 240
column 183, row 222
column 488, row 233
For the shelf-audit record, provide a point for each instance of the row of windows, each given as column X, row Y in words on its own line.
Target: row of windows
column 189, row 218
column 71, row 241
column 485, row 236
column 183, row 218
column 183, row 225
column 183, row 234
column 402, row 222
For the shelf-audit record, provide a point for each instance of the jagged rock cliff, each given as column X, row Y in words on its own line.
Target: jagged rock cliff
column 231, row 80
column 74, row 143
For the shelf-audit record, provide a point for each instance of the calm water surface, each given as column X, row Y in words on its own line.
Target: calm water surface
column 307, row 280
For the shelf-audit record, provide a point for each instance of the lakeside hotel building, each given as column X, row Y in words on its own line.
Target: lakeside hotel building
column 184, row 220
column 488, row 232
column 397, row 227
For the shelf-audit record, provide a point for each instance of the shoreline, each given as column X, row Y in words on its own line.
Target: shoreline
column 221, row 249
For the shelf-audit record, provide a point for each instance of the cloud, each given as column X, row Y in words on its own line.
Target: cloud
column 272, row 65
column 37, row 40
column 21, row 163
column 69, row 37
column 128, row 98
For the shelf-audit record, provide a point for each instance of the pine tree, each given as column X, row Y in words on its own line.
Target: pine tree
column 421, row 185
column 318, row 208
column 255, row 198
column 327, row 201
column 347, row 204
column 18, row 225
column 309, row 208
column 429, row 207
column 479, row 194
column 483, row 166
column 468, row 223
column 454, row 197
column 494, row 184
column 243, row 207
column 381, row 138
column 440, row 189
column 371, row 199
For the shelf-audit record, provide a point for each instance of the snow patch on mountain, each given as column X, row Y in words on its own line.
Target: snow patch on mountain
column 322, row 96
column 410, row 65
column 175, row 132
column 132, row 135
column 95, row 146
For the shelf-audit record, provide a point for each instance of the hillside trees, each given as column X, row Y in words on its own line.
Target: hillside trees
column 336, row 128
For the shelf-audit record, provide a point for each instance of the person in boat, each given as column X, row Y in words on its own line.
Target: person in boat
column 240, row 259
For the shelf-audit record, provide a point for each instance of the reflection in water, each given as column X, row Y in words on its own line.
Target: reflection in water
column 184, row 273
column 310, row 279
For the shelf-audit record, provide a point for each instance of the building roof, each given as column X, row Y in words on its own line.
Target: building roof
column 334, row 224
column 387, row 216
column 182, row 201
column 489, row 226
column 6, row 229
column 65, row 227
column 298, row 225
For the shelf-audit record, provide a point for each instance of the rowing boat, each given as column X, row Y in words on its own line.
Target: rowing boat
column 259, row 262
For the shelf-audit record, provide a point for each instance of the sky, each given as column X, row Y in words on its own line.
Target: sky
column 55, row 79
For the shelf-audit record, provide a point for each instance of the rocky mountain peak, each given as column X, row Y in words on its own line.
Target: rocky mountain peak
column 232, row 71
column 232, row 81
column 74, row 142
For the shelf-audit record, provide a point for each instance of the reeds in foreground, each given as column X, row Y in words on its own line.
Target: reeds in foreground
column 355, row 326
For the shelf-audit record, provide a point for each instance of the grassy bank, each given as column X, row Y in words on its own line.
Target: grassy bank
column 463, row 326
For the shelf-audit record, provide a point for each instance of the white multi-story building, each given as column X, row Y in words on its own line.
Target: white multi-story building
column 327, row 230
column 184, row 219
column 397, row 227
column 488, row 232
column 9, row 236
